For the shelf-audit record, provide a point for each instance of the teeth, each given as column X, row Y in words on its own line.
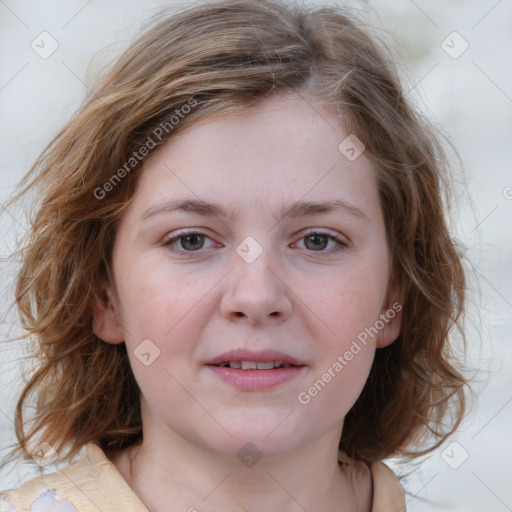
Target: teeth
column 265, row 366
column 253, row 365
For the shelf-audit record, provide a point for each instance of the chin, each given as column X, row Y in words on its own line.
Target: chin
column 271, row 437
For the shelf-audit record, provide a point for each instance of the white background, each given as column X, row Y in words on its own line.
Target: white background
column 469, row 98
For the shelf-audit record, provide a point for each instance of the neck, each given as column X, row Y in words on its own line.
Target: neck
column 180, row 476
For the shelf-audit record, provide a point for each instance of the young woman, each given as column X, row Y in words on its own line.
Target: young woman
column 240, row 278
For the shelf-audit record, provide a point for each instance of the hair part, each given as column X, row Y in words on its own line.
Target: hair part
column 225, row 57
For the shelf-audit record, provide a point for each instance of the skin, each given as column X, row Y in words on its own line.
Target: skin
column 309, row 301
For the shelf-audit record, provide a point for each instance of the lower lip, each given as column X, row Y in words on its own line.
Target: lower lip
column 256, row 380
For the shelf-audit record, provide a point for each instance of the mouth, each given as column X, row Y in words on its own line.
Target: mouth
column 255, row 371
column 250, row 360
column 254, row 365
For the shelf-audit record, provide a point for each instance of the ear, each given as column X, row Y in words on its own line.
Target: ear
column 106, row 320
column 391, row 317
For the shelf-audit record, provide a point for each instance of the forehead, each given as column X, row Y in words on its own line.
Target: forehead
column 280, row 150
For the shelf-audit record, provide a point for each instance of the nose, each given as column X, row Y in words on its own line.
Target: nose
column 256, row 292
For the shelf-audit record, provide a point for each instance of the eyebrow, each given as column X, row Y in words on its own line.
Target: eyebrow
column 297, row 209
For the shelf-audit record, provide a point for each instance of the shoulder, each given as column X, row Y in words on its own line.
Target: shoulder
column 388, row 494
column 378, row 482
column 90, row 484
column 49, row 492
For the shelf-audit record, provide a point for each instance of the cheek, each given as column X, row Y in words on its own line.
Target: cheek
column 338, row 384
column 347, row 304
column 158, row 300
column 345, row 345
column 165, row 312
column 350, row 309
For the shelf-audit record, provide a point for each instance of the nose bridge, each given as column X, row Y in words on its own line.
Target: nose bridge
column 253, row 265
column 256, row 290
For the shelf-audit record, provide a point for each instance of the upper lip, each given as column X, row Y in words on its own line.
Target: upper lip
column 260, row 356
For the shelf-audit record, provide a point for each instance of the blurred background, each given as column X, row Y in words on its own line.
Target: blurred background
column 457, row 69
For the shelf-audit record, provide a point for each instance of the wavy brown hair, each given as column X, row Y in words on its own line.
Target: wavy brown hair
column 226, row 56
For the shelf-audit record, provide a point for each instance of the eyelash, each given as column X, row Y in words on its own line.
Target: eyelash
column 170, row 241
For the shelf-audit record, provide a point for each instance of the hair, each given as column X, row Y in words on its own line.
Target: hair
column 219, row 58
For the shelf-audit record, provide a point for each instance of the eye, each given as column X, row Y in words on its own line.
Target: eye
column 189, row 242
column 193, row 241
column 317, row 241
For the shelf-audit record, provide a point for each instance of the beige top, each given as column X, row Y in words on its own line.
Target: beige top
column 93, row 484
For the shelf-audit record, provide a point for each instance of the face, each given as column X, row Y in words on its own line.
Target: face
column 252, row 239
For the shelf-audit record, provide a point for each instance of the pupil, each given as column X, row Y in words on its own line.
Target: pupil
column 194, row 239
column 317, row 239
